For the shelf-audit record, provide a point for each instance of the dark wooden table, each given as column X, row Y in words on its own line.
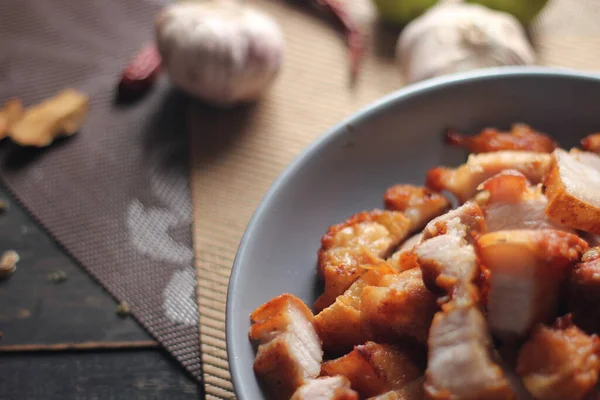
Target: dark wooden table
column 111, row 356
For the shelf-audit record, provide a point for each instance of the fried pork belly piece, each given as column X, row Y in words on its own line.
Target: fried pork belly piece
column 527, row 268
column 374, row 369
column 412, row 391
column 401, row 308
column 339, row 325
column 289, row 350
column 470, row 219
column 361, row 240
column 586, row 275
column 328, row 388
column 459, row 339
column 446, row 256
column 571, row 188
column 460, row 363
column 509, row 201
column 520, row 137
column 418, row 203
column 411, row 242
column 591, row 143
column 558, row 363
column 404, row 258
column 584, row 291
column 463, row 181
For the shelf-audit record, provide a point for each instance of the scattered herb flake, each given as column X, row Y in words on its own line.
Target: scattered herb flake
column 58, row 276
column 123, row 309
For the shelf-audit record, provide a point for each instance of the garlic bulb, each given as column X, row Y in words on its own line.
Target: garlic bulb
column 221, row 52
column 455, row 37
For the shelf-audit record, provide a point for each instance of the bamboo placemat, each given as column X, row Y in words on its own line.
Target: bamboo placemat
column 237, row 154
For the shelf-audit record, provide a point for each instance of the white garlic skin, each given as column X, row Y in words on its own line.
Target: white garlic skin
column 455, row 37
column 221, row 52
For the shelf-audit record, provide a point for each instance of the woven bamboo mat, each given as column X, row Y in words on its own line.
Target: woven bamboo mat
column 237, row 154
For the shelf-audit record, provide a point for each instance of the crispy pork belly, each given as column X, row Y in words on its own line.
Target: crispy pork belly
column 447, row 258
column 401, row 308
column 463, row 181
column 374, row 369
column 459, row 339
column 470, row 218
column 411, row 242
column 412, row 391
column 584, row 291
column 361, row 240
column 418, row 203
column 328, row 388
column 572, row 190
column 585, row 277
column 339, row 325
column 527, row 269
column 460, row 363
column 520, row 137
column 289, row 350
column 404, row 258
column 591, row 143
column 560, row 362
column 510, row 202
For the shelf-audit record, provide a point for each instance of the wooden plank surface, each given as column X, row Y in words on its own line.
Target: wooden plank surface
column 140, row 374
column 37, row 313
column 37, row 310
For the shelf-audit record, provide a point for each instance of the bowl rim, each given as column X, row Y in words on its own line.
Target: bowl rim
column 332, row 133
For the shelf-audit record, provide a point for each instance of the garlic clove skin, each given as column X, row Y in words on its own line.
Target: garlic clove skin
column 221, row 52
column 455, row 37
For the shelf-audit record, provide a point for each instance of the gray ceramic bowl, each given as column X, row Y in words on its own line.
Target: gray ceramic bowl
column 395, row 140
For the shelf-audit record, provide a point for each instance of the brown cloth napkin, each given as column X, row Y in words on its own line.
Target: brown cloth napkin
column 116, row 195
column 238, row 154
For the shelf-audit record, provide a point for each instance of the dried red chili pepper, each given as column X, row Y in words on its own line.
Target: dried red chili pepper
column 352, row 31
column 141, row 72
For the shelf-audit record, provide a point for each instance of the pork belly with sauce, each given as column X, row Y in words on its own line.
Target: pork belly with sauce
column 328, row 388
column 289, row 350
column 463, row 181
column 510, row 202
column 418, row 203
column 339, row 325
column 527, row 269
column 374, row 369
column 560, row 362
column 520, row 137
column 573, row 190
column 460, row 363
column 361, row 240
column 402, row 307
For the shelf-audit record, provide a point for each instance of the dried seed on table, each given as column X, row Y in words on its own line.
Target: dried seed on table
column 58, row 276
column 8, row 263
column 123, row 309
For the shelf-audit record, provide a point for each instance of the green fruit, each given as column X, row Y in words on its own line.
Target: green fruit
column 523, row 10
column 401, row 12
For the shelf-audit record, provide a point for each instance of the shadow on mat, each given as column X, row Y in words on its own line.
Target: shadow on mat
column 214, row 131
column 15, row 157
